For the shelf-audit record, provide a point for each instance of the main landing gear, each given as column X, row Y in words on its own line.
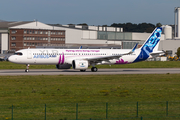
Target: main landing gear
column 94, row 69
column 27, row 68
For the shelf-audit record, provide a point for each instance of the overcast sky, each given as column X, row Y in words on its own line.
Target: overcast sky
column 92, row 12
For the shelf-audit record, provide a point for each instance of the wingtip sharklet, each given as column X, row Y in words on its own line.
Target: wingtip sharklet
column 80, row 47
column 134, row 47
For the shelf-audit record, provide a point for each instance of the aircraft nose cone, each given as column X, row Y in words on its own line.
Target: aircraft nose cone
column 11, row 59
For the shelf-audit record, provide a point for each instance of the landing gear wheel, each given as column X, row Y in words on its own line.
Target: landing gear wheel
column 82, row 70
column 26, row 70
column 94, row 69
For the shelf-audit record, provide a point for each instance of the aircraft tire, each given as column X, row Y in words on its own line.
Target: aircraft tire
column 94, row 69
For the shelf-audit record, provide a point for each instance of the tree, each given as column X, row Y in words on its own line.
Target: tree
column 178, row 52
column 149, row 30
column 129, row 27
column 83, row 24
column 158, row 25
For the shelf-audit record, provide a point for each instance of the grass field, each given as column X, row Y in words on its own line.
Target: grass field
column 89, row 88
column 144, row 64
column 28, row 96
column 61, row 93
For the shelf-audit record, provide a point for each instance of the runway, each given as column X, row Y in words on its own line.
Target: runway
column 15, row 72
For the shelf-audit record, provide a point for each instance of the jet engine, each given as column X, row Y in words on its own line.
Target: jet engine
column 80, row 64
column 64, row 66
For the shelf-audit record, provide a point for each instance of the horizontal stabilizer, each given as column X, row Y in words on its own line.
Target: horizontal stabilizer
column 156, row 54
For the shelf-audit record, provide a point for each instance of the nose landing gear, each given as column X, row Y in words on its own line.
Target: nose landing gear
column 27, row 68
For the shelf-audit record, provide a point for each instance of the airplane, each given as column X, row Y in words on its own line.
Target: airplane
column 81, row 59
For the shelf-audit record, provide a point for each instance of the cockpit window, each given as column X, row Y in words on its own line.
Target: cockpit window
column 18, row 53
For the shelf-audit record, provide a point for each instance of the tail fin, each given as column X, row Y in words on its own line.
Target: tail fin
column 152, row 41
column 150, row 44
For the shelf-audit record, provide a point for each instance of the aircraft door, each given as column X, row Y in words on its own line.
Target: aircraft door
column 29, row 55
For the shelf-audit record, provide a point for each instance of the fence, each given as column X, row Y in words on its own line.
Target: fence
column 89, row 111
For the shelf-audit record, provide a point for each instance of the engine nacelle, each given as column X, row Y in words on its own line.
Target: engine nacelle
column 64, row 66
column 80, row 64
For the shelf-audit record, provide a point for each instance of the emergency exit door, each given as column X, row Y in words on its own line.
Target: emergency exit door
column 29, row 55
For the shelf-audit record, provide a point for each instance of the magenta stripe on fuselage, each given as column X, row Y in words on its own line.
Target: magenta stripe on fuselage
column 59, row 59
column 62, row 58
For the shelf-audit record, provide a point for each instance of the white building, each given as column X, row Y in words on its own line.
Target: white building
column 102, row 36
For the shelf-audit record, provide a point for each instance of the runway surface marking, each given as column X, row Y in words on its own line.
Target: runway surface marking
column 88, row 71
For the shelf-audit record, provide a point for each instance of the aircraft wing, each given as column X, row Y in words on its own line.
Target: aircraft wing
column 107, row 58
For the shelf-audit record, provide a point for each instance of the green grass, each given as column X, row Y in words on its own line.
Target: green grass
column 9, row 65
column 89, row 88
column 93, row 93
column 144, row 64
column 60, row 93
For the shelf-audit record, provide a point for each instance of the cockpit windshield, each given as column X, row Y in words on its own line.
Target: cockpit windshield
column 18, row 53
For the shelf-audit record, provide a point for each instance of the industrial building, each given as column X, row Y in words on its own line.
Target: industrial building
column 32, row 34
column 20, row 35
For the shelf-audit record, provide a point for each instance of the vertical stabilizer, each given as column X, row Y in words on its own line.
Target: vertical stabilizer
column 149, row 45
column 153, row 40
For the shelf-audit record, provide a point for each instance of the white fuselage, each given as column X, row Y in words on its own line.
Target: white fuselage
column 66, row 56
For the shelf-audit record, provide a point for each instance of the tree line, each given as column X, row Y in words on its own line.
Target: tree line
column 130, row 27
column 142, row 27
